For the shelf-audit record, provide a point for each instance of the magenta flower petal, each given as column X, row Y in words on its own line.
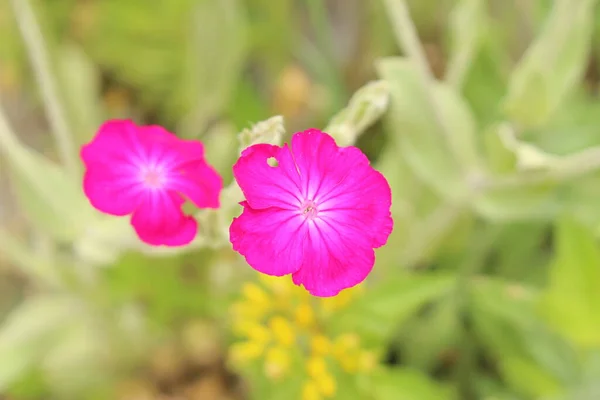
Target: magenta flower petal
column 158, row 220
column 318, row 214
column 263, row 185
column 267, row 236
column 199, row 182
column 348, row 190
column 115, row 140
column 334, row 260
column 144, row 171
column 110, row 190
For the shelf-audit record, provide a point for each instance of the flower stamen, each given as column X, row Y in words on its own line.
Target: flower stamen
column 309, row 210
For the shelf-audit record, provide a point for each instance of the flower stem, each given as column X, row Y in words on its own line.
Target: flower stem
column 408, row 39
column 40, row 60
column 466, row 271
column 564, row 169
column 10, row 146
column 459, row 67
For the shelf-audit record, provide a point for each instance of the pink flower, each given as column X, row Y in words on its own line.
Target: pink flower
column 317, row 215
column 144, row 171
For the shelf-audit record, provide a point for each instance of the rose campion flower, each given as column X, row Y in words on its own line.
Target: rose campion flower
column 318, row 214
column 145, row 171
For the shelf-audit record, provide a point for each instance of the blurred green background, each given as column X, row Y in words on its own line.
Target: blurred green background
column 482, row 114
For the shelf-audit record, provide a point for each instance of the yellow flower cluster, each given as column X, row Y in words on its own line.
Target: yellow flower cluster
column 281, row 323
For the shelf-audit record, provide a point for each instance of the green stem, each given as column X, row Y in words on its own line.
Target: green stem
column 563, row 169
column 10, row 146
column 466, row 47
column 40, row 61
column 408, row 39
column 459, row 67
column 467, row 363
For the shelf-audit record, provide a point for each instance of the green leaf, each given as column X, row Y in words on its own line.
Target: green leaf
column 406, row 384
column 375, row 315
column 429, row 335
column 35, row 266
column 411, row 200
column 29, row 332
column 49, row 198
column 492, row 388
column 285, row 388
column 214, row 61
column 12, row 51
column 501, row 311
column 365, row 108
column 220, row 143
column 79, row 361
column 525, row 203
column 508, row 156
column 527, row 378
column 589, row 388
column 500, row 159
column 467, row 25
column 505, row 318
column 485, row 86
column 528, row 156
column 271, row 33
column 104, row 241
column 507, row 153
column 185, row 56
column 573, row 129
column 417, row 137
column 80, row 84
column 169, row 293
column 269, row 131
column 519, row 244
column 552, row 65
column 29, row 386
column 572, row 300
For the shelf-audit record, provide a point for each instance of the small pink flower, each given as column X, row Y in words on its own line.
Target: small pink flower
column 144, row 171
column 318, row 214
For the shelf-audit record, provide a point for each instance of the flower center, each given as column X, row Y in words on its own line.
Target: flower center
column 309, row 210
column 153, row 178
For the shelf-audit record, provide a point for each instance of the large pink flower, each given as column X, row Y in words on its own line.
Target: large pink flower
column 318, row 214
column 144, row 171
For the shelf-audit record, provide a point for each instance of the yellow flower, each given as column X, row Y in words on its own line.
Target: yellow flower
column 241, row 353
column 305, row 316
column 316, row 366
column 277, row 362
column 310, row 391
column 282, row 331
column 256, row 295
column 326, row 384
column 278, row 286
column 245, row 310
column 276, row 318
column 349, row 364
column 367, row 361
column 345, row 350
column 252, row 330
column 341, row 300
column 345, row 343
column 320, row 344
